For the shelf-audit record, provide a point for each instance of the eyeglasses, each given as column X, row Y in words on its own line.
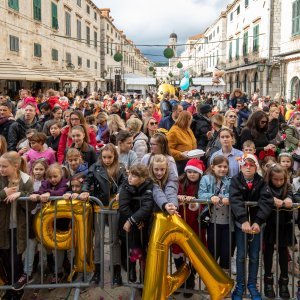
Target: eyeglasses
column 153, row 123
column 232, row 117
column 249, row 165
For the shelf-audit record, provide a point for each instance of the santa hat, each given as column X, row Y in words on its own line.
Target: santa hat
column 247, row 156
column 195, row 165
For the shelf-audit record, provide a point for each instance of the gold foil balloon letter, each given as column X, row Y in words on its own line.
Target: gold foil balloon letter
column 168, row 230
column 82, row 232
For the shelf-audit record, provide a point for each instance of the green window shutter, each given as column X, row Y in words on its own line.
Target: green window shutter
column 88, row 35
column 14, row 4
column 237, row 48
column 230, row 51
column 68, row 24
column 37, row 11
column 54, row 16
column 95, row 39
column 37, row 50
column 245, row 44
column 55, row 54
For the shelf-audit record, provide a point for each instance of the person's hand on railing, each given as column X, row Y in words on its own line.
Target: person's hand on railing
column 84, row 196
column 45, row 197
column 215, row 200
column 288, row 203
column 277, row 202
column 10, row 190
column 34, row 197
column 171, row 209
column 12, row 197
column 255, row 228
column 127, row 226
column 67, row 196
column 225, row 201
column 246, row 227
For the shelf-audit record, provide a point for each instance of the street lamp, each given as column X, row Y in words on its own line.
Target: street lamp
column 261, row 67
column 70, row 66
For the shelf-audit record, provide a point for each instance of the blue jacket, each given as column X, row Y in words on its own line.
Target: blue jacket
column 207, row 187
column 166, row 122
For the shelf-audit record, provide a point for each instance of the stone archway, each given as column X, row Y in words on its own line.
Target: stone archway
column 295, row 88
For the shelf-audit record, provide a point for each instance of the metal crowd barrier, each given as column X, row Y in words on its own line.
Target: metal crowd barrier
column 106, row 215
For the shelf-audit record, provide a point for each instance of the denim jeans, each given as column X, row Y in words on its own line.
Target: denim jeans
column 252, row 242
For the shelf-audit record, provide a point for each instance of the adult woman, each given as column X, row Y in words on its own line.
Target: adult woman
column 150, row 126
column 140, row 140
column 56, row 115
column 115, row 124
column 126, row 156
column 181, row 140
column 237, row 95
column 230, row 121
column 66, row 116
column 226, row 138
column 76, row 118
column 103, row 131
column 256, row 130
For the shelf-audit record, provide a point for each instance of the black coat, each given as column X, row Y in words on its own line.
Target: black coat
column 88, row 153
column 165, row 108
column 99, row 185
column 200, row 126
column 285, row 229
column 5, row 123
column 17, row 132
column 239, row 194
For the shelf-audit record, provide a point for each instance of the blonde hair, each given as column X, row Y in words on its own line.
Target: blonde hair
column 134, row 124
column 217, row 119
column 273, row 108
column 183, row 120
column 226, row 115
column 115, row 124
column 159, row 159
column 15, row 159
column 55, row 166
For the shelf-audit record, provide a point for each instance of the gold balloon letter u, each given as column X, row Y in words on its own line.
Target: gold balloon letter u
column 82, row 232
column 168, row 230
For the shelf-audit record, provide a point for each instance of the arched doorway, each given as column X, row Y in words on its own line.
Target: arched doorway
column 255, row 82
column 295, row 88
column 245, row 83
column 230, row 84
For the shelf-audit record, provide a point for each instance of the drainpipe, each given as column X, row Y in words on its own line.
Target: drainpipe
column 270, row 44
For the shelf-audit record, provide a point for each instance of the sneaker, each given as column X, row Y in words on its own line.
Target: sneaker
column 23, row 280
column 296, row 270
column 233, row 265
column 254, row 293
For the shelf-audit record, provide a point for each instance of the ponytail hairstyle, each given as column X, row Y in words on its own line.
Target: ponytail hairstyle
column 16, row 160
column 218, row 159
column 278, row 169
column 159, row 159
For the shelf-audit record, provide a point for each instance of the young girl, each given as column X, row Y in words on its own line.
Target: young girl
column 215, row 187
column 136, row 203
column 286, row 161
column 76, row 183
column 266, row 163
column 248, row 185
column 54, row 138
column 188, row 190
column 38, row 150
column 74, row 163
column 80, row 142
column 106, row 176
column 14, row 183
column 281, row 190
column 54, row 185
column 165, row 199
column 39, row 168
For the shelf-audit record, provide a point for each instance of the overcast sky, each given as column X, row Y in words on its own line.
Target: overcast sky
column 152, row 21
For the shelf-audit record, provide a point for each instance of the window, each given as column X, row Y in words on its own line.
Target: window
column 37, row 50
column 296, row 18
column 96, row 65
column 88, row 9
column 37, row 12
column 238, row 10
column 88, row 63
column 95, row 39
column 79, row 3
column 245, row 44
column 95, row 15
column 231, row 16
column 246, row 3
column 14, row 4
column 107, row 45
column 68, row 23
column 256, row 38
column 13, row 43
column 54, row 53
column 78, row 29
column 68, row 58
column 79, row 61
column 88, row 35
column 230, row 51
column 218, row 29
column 54, row 21
column 107, row 26
column 237, row 48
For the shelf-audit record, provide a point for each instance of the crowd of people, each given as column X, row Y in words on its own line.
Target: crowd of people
column 139, row 153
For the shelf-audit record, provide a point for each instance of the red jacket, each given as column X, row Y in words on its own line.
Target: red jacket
column 66, row 142
column 52, row 101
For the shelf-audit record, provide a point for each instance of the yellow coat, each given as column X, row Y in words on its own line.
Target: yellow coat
column 180, row 140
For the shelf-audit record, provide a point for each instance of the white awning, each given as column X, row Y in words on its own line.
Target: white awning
column 206, row 81
column 134, row 79
column 84, row 75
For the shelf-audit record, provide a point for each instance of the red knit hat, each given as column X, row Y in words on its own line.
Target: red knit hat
column 195, row 165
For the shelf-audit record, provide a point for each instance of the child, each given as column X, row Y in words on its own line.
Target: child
column 54, row 185
column 266, row 163
column 3, row 145
column 165, row 199
column 80, row 142
column 55, row 134
column 249, row 147
column 248, row 186
column 215, row 187
column 285, row 159
column 106, row 176
column 76, row 183
column 74, row 163
column 278, row 181
column 24, row 145
column 188, row 190
column 38, row 150
column 39, row 168
column 136, row 203
column 14, row 183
